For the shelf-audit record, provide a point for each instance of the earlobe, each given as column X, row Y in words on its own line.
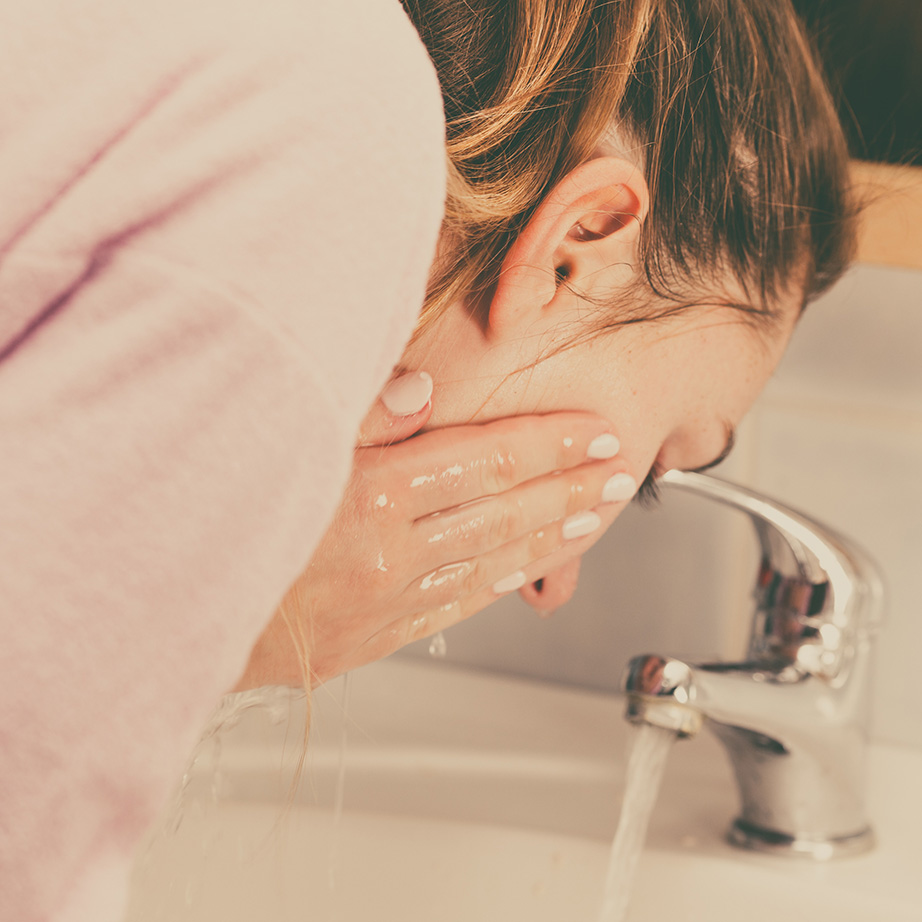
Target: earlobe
column 589, row 222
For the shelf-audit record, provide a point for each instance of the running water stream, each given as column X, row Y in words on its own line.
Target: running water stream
column 274, row 701
column 647, row 763
column 647, row 760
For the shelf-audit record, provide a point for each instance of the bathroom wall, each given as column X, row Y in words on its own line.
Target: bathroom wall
column 838, row 434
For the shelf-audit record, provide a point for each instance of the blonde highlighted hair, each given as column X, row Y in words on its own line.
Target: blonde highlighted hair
column 742, row 150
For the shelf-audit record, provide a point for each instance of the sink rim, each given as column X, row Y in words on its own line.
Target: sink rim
column 564, row 746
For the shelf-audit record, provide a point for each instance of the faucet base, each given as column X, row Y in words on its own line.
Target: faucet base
column 743, row 834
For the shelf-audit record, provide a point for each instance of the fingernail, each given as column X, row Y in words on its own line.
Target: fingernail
column 619, row 488
column 581, row 524
column 407, row 394
column 603, row 446
column 509, row 583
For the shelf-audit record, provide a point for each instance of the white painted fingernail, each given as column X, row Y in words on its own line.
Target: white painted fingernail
column 407, row 394
column 509, row 583
column 619, row 488
column 581, row 524
column 603, row 446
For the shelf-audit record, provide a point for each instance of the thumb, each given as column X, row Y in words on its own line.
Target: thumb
column 555, row 589
column 403, row 407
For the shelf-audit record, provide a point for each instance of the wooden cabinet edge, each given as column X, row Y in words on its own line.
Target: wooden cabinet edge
column 891, row 220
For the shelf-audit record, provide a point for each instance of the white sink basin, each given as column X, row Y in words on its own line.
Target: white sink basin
column 471, row 798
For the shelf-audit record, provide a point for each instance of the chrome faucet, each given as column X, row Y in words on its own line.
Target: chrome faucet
column 793, row 716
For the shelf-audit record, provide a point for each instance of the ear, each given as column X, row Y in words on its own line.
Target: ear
column 589, row 222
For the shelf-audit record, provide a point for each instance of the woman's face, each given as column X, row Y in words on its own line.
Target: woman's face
column 674, row 389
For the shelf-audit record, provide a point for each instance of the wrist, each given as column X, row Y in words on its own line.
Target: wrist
column 275, row 658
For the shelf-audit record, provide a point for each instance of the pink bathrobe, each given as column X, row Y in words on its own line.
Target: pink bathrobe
column 216, row 221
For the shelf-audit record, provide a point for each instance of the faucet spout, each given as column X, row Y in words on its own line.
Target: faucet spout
column 793, row 717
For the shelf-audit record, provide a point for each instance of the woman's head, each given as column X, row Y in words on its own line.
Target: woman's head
column 721, row 100
column 670, row 169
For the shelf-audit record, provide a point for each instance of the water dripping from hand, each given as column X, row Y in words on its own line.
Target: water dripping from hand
column 438, row 646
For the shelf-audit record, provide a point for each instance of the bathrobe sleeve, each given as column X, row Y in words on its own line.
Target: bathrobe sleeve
column 216, row 223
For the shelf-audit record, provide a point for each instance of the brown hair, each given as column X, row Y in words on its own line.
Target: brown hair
column 742, row 150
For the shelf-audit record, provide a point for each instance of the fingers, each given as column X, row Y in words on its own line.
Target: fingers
column 505, row 567
column 428, row 621
column 402, row 409
column 572, row 551
column 445, row 468
column 456, row 517
column 484, row 525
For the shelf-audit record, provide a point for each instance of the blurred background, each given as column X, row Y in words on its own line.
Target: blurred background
column 873, row 55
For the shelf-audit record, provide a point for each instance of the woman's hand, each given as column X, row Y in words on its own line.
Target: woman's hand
column 435, row 528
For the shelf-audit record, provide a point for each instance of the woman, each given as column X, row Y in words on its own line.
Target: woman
column 652, row 271
column 637, row 210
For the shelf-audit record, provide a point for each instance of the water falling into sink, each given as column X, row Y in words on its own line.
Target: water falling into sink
column 478, row 798
column 649, row 753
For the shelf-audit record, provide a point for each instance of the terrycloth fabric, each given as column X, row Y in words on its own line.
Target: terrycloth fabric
column 216, row 222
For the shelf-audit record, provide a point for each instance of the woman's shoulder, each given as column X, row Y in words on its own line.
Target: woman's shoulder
column 286, row 153
column 367, row 49
column 129, row 116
